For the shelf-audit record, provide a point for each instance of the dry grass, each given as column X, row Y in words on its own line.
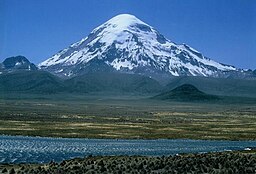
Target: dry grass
column 128, row 119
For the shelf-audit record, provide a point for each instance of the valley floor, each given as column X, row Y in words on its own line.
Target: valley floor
column 219, row 162
column 126, row 117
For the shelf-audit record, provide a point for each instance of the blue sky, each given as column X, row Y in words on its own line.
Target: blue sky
column 224, row 30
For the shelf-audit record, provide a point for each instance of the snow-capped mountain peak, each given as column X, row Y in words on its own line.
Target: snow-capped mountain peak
column 123, row 21
column 127, row 44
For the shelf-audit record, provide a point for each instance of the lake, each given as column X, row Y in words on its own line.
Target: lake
column 20, row 149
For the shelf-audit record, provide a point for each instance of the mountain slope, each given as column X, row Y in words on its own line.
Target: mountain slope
column 113, row 82
column 128, row 45
column 31, row 82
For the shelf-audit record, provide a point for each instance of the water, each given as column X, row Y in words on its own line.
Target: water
column 20, row 149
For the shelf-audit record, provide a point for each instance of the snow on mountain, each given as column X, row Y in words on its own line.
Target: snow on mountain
column 127, row 44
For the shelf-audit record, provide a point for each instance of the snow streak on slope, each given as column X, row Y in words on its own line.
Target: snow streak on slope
column 126, row 44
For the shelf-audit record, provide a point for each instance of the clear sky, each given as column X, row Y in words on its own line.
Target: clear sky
column 224, row 30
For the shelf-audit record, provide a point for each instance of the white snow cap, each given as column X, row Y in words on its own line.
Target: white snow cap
column 125, row 20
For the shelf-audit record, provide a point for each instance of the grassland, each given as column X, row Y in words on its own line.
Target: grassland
column 121, row 116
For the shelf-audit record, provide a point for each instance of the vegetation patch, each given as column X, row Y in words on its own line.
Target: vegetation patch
column 221, row 162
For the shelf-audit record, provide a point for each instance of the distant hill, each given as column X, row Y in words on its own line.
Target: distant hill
column 186, row 92
column 217, row 86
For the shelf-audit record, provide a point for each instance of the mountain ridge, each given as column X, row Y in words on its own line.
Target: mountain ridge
column 39, row 81
column 43, row 82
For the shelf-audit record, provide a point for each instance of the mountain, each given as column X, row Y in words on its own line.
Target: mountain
column 186, row 92
column 128, row 45
column 18, row 74
column 16, row 63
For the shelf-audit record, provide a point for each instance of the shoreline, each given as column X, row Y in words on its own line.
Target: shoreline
column 109, row 138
